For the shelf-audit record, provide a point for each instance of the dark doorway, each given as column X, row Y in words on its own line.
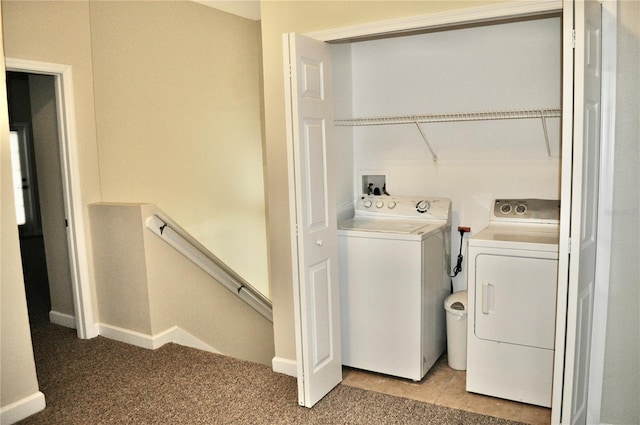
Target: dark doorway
column 28, row 212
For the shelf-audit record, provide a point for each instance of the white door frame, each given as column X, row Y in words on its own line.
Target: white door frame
column 605, row 204
column 441, row 19
column 565, row 214
column 82, row 300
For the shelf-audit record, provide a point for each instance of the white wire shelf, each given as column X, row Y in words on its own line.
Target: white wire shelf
column 452, row 117
column 541, row 113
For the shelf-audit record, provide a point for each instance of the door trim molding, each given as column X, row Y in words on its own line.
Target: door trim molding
column 85, row 324
column 605, row 206
column 440, row 19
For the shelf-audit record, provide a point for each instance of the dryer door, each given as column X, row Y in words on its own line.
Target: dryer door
column 515, row 298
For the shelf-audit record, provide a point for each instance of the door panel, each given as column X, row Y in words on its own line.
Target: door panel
column 320, row 310
column 315, row 165
column 313, row 217
column 584, row 207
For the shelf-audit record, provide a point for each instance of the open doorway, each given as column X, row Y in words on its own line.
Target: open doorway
column 40, row 211
column 79, row 310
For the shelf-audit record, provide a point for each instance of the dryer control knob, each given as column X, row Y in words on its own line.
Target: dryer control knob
column 367, row 204
column 422, row 206
column 521, row 209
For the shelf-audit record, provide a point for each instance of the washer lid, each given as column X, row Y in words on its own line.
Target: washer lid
column 388, row 226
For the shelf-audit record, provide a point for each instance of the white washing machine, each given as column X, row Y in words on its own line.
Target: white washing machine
column 394, row 260
column 512, row 283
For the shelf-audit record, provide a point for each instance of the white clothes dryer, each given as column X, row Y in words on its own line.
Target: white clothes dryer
column 512, row 285
column 394, row 260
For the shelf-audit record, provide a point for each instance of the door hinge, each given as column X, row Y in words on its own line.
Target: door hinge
column 569, row 247
column 66, row 223
column 573, row 38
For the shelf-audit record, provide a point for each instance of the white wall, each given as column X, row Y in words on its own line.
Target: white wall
column 343, row 136
column 487, row 68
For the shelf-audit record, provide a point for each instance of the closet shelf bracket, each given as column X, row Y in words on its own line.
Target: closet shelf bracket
column 546, row 132
column 426, row 141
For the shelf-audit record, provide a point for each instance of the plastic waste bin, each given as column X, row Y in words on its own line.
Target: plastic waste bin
column 456, row 308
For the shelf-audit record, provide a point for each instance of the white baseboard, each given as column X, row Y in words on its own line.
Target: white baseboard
column 21, row 409
column 62, row 319
column 128, row 336
column 286, row 366
column 174, row 334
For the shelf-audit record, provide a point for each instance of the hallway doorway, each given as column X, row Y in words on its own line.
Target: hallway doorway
column 38, row 190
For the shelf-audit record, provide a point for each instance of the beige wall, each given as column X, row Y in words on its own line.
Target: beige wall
column 177, row 107
column 178, row 112
column 302, row 17
column 121, row 273
column 17, row 367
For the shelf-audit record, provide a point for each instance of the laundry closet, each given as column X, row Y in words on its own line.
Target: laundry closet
column 467, row 113
column 470, row 113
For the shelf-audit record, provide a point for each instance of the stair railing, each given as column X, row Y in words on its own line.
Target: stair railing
column 187, row 245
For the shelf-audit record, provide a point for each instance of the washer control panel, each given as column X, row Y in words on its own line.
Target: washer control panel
column 534, row 210
column 407, row 207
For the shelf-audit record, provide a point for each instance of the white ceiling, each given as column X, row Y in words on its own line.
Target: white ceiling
column 249, row 9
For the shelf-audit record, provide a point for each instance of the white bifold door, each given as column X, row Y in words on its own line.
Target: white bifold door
column 582, row 159
column 313, row 216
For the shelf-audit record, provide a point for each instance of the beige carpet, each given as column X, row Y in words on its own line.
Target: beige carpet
column 100, row 381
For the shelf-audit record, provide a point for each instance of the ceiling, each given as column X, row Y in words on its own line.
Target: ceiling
column 249, row 9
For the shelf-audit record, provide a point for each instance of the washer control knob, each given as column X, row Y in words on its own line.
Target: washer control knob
column 505, row 208
column 379, row 204
column 423, row 206
column 521, row 209
column 367, row 204
column 391, row 204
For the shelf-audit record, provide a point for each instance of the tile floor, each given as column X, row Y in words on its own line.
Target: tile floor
column 446, row 387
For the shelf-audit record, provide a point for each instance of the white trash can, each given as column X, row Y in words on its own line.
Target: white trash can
column 456, row 307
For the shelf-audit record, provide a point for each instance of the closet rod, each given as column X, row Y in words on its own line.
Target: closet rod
column 452, row 117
